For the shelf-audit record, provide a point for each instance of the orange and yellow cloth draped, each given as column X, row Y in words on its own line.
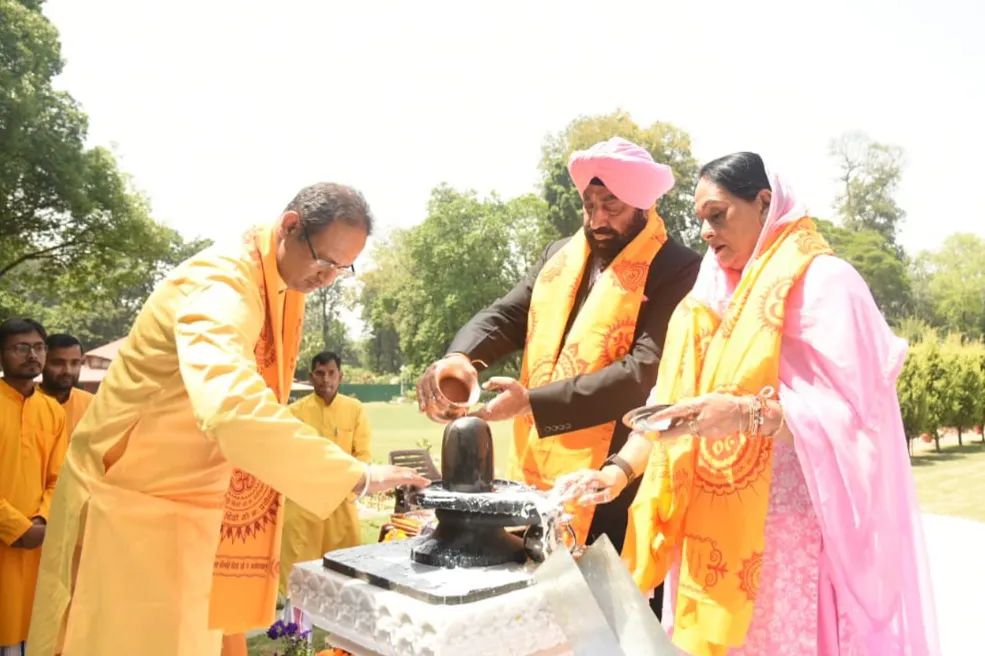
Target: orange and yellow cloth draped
column 306, row 535
column 33, row 438
column 76, row 405
column 164, row 532
column 709, row 497
column 601, row 334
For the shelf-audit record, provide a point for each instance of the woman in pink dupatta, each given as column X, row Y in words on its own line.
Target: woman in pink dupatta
column 844, row 569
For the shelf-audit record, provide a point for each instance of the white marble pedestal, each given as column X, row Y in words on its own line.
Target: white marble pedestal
column 373, row 621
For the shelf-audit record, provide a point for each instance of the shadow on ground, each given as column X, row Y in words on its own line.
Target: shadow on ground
column 947, row 453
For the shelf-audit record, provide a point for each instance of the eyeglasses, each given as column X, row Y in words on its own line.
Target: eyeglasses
column 339, row 270
column 23, row 348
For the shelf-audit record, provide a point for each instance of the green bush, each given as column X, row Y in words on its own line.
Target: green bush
column 942, row 385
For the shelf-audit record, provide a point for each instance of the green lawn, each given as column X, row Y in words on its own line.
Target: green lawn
column 948, row 483
column 401, row 426
column 951, row 482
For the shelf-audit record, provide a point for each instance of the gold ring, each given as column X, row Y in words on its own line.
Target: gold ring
column 692, row 425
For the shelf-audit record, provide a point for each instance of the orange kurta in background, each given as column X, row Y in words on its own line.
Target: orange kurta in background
column 32, row 447
column 76, row 406
column 307, row 536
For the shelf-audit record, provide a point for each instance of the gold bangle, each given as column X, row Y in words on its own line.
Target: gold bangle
column 762, row 414
column 759, row 406
column 756, row 404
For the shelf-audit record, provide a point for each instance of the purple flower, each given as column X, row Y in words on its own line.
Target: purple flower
column 292, row 629
column 276, row 630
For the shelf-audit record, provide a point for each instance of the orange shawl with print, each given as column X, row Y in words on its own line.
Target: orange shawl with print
column 247, row 564
column 709, row 497
column 601, row 334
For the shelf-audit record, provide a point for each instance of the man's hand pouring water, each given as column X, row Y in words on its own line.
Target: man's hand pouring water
column 432, row 400
column 444, row 389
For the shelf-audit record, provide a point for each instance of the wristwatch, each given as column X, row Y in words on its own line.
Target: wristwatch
column 621, row 463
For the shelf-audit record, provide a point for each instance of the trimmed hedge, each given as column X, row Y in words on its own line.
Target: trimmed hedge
column 942, row 384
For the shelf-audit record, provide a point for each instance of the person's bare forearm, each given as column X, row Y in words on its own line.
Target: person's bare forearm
column 636, row 452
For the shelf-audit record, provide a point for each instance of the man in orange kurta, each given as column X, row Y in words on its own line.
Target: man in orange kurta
column 32, row 446
column 342, row 419
column 165, row 526
column 60, row 377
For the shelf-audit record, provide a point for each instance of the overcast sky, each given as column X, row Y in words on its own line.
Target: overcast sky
column 221, row 110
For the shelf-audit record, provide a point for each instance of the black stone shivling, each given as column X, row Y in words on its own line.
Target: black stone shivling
column 471, row 520
column 467, row 456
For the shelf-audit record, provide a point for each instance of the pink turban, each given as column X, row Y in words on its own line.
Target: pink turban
column 627, row 170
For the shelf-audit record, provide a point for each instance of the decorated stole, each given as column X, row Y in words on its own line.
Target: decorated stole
column 601, row 334
column 247, row 564
column 711, row 496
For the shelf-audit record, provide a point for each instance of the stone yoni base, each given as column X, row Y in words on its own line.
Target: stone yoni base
column 391, row 623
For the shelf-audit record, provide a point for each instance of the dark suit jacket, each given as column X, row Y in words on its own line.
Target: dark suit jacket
column 604, row 395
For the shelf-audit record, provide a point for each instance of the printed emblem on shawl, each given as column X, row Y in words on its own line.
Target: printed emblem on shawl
column 749, row 575
column 540, row 373
column 810, row 242
column 251, row 506
column 618, row 340
column 631, row 274
column 772, row 302
column 705, row 560
column 729, row 464
column 569, row 364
